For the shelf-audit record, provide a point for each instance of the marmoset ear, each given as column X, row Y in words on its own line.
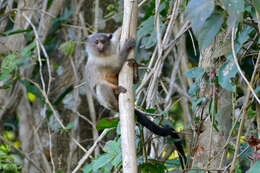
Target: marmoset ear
column 109, row 36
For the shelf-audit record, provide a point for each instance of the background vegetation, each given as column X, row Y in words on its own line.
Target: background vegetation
column 199, row 68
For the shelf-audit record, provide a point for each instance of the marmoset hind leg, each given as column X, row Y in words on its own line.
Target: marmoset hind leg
column 107, row 94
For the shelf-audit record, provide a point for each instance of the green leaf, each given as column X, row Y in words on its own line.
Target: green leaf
column 4, row 75
column 152, row 166
column 67, row 14
column 9, row 63
column 69, row 126
column 235, row 8
column 33, row 89
column 227, row 71
column 210, row 29
column 102, row 161
column 198, row 11
column 193, row 89
column 257, row 89
column 148, row 33
column 117, row 160
column 196, row 72
column 68, row 47
column 172, row 163
column 110, row 14
column 88, row 167
column 18, row 31
column 27, row 50
column 197, row 102
column 112, row 147
column 255, row 168
column 244, row 35
column 107, row 123
column 256, row 4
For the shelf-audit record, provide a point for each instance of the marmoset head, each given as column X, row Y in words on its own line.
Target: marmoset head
column 99, row 44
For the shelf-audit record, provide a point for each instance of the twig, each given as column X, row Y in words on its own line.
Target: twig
column 85, row 157
column 22, row 153
column 38, row 51
column 54, row 112
column 245, row 105
column 239, row 69
column 193, row 44
column 38, row 42
column 50, row 148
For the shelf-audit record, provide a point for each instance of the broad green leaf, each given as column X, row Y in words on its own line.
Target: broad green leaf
column 198, row 11
column 255, row 168
column 102, row 161
column 107, row 123
column 196, row 72
column 227, row 71
column 147, row 32
column 193, row 89
column 243, row 36
column 235, row 8
column 117, row 160
column 112, row 147
column 210, row 29
column 88, row 167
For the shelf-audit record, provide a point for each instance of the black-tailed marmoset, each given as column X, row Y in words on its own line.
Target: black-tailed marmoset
column 105, row 60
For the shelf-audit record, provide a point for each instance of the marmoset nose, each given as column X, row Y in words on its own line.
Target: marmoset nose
column 100, row 47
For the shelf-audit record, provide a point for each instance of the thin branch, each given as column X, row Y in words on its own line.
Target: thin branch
column 87, row 154
column 55, row 113
column 239, row 69
column 50, row 148
column 38, row 42
column 246, row 102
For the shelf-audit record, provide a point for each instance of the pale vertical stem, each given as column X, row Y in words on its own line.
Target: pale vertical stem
column 126, row 100
column 96, row 16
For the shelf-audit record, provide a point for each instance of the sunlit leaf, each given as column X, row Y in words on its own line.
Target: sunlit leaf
column 107, row 123
column 31, row 97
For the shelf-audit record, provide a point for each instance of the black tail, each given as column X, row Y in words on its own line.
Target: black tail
column 162, row 131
